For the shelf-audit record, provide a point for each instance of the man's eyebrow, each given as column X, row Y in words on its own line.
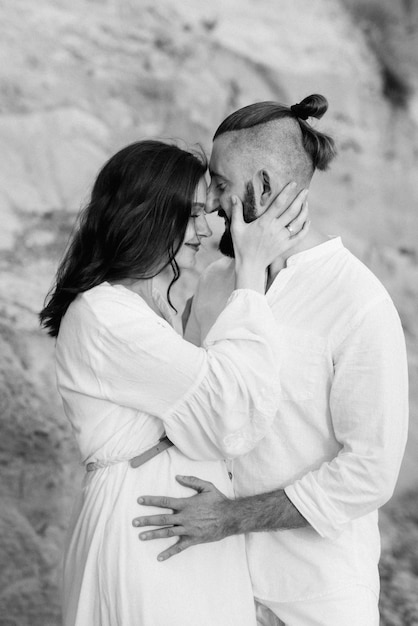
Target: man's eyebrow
column 215, row 174
column 201, row 205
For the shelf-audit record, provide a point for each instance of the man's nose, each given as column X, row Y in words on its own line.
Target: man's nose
column 212, row 202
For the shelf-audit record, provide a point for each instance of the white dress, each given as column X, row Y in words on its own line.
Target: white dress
column 125, row 376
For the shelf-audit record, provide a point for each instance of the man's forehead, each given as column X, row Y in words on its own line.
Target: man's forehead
column 217, row 151
column 222, row 157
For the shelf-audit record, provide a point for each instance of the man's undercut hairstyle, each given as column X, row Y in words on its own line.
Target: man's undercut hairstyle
column 319, row 146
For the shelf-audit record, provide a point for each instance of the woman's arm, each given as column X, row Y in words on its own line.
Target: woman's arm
column 215, row 401
column 218, row 400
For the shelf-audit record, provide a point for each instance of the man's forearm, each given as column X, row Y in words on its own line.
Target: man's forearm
column 263, row 512
column 211, row 516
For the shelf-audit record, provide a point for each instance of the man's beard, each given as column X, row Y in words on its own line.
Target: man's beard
column 226, row 245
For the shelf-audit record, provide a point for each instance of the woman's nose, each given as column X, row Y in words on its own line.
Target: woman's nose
column 203, row 229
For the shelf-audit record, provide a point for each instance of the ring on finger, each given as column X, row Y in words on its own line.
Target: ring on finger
column 290, row 229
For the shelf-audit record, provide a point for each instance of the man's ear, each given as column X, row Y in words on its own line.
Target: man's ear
column 264, row 184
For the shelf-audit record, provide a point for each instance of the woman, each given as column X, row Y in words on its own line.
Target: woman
column 125, row 376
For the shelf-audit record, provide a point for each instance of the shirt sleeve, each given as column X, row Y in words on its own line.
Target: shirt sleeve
column 216, row 401
column 369, row 411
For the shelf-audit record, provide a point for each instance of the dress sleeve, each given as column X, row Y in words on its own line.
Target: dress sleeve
column 369, row 411
column 216, row 401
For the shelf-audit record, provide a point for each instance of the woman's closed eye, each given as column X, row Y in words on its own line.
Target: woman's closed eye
column 197, row 212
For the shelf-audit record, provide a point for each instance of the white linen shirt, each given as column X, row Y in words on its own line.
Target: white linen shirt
column 339, row 436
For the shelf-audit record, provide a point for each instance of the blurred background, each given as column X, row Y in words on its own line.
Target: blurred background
column 81, row 79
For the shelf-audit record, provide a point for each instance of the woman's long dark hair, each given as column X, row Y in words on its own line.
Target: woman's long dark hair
column 133, row 225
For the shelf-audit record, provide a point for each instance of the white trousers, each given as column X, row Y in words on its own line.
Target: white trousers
column 356, row 605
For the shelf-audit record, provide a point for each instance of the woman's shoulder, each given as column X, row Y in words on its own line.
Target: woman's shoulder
column 111, row 306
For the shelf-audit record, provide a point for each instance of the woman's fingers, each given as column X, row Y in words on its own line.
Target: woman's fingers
column 293, row 210
column 273, row 233
column 281, row 202
column 296, row 224
column 237, row 216
column 301, row 234
column 291, row 241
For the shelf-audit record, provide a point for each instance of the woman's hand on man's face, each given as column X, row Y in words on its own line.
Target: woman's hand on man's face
column 282, row 226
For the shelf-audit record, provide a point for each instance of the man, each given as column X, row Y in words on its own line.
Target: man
column 314, row 484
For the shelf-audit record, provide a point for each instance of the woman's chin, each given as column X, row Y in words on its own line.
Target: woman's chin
column 187, row 260
column 190, row 264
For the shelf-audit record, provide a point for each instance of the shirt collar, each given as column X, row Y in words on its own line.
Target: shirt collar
column 317, row 252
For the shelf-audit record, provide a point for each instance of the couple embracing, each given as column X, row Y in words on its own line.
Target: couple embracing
column 265, row 439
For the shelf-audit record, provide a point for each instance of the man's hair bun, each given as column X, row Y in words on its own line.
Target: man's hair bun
column 311, row 106
column 321, row 147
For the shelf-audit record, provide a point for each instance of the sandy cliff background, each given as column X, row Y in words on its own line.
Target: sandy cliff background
column 80, row 79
